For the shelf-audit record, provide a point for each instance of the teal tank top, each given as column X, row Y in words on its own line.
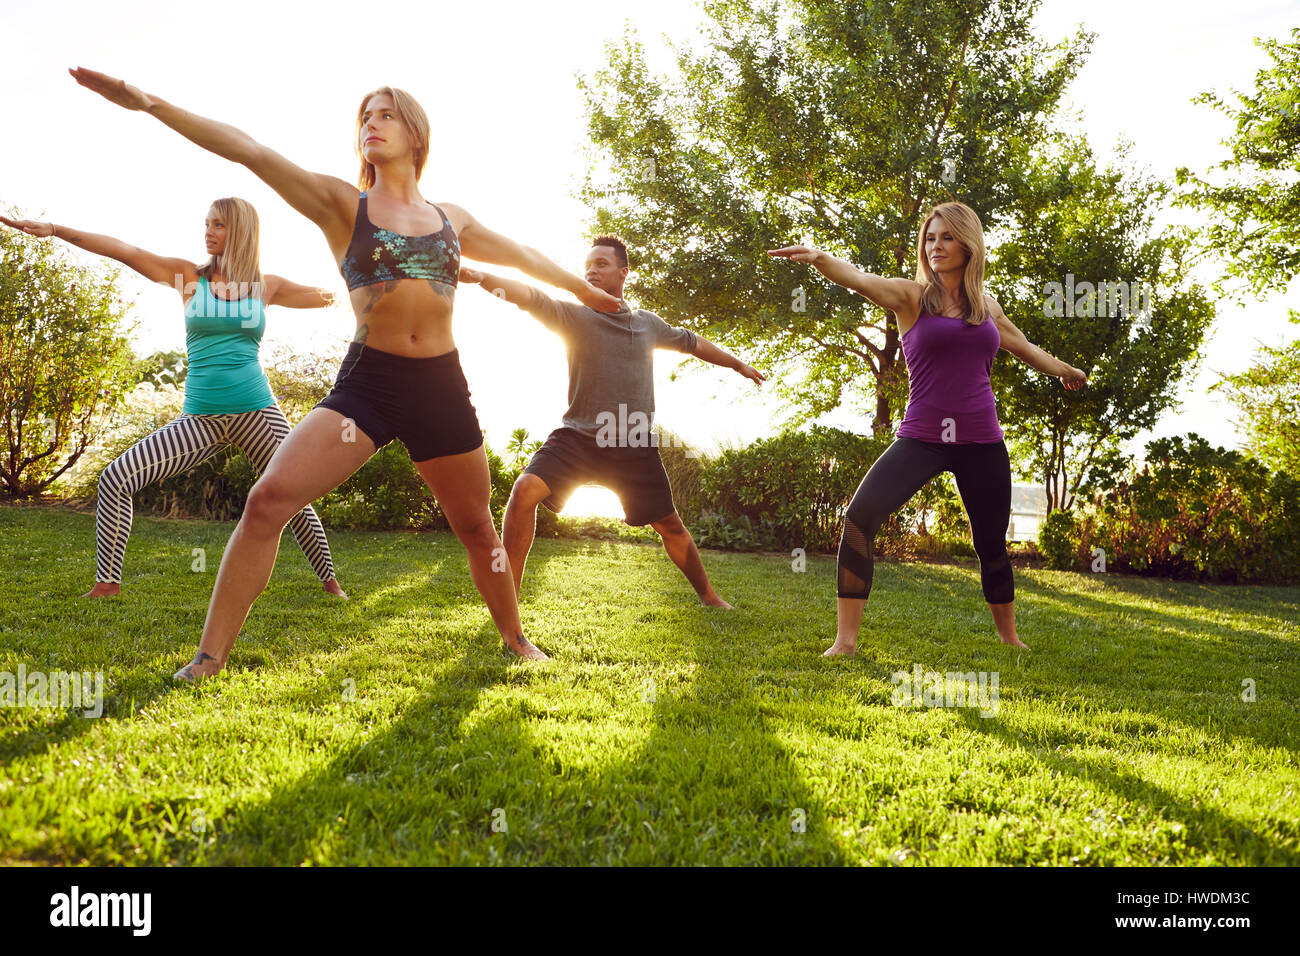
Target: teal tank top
column 222, row 338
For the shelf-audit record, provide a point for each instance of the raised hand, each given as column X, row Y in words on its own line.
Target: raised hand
column 797, row 253
column 751, row 373
column 114, row 90
column 1074, row 379
column 42, row 230
column 600, row 300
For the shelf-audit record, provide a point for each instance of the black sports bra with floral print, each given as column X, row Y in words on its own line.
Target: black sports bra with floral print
column 381, row 255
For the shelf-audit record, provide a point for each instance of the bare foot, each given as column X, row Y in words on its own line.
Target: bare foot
column 521, row 648
column 104, row 589
column 841, row 648
column 1004, row 619
column 332, row 587
column 203, row 665
column 715, row 601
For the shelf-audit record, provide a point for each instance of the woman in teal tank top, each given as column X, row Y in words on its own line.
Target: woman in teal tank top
column 228, row 399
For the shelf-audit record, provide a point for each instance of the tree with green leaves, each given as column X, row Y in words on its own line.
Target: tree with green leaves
column 64, row 361
column 1268, row 394
column 520, row 448
column 162, row 367
column 1254, row 228
column 1255, row 209
column 1085, row 275
column 833, row 123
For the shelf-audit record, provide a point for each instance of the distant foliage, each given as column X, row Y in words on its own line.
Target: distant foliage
column 729, row 532
column 1268, row 396
column 795, row 488
column 685, row 468
column 300, row 380
column 1058, row 539
column 1196, row 511
column 1251, row 198
column 163, row 367
column 64, row 360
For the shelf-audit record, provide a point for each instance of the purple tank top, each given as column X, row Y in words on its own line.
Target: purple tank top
column 950, row 399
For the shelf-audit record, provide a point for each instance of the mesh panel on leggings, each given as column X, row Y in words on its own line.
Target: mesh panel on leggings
column 997, row 579
column 854, row 563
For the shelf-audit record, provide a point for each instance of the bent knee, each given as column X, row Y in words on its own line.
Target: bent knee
column 866, row 516
column 113, row 477
column 270, row 504
column 672, row 526
column 477, row 534
column 991, row 550
column 528, row 491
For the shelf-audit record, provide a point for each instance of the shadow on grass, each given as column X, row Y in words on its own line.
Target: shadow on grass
column 1163, row 655
column 292, row 605
column 469, row 776
column 696, row 774
column 1208, row 828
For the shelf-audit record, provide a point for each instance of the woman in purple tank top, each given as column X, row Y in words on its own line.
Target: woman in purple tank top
column 950, row 332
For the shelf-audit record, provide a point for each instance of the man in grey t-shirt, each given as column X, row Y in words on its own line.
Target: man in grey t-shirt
column 607, row 437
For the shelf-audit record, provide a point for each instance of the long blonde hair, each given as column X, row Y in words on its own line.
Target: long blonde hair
column 240, row 264
column 412, row 116
column 966, row 228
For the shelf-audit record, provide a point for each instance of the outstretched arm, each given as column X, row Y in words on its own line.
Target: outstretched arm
column 708, row 352
column 1014, row 341
column 556, row 316
column 291, row 295
column 893, row 294
column 325, row 200
column 479, row 242
column 153, row 267
column 513, row 291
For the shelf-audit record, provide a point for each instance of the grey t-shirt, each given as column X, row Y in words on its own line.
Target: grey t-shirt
column 611, row 364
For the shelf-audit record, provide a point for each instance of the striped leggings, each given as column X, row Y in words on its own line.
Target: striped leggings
column 178, row 446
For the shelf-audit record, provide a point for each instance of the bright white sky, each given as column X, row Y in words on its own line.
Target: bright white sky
column 498, row 81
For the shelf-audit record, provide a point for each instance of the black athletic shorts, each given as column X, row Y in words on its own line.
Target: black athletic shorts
column 569, row 459
column 422, row 401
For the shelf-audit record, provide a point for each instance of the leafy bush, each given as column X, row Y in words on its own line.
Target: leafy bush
column 1058, row 539
column 506, row 471
column 163, row 367
column 64, row 360
column 300, row 379
column 685, row 468
column 797, row 486
column 1196, row 511
column 600, row 529
column 385, row 493
column 720, row 530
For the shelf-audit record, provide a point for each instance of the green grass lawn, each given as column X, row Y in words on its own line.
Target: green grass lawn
column 393, row 729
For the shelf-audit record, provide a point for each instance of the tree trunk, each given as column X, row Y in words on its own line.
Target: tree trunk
column 888, row 369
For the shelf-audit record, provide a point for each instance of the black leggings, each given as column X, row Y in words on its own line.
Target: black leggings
column 983, row 474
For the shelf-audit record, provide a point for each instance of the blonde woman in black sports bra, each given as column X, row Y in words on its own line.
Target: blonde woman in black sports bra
column 401, row 378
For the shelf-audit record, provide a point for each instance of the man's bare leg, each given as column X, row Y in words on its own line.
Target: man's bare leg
column 681, row 548
column 519, row 526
